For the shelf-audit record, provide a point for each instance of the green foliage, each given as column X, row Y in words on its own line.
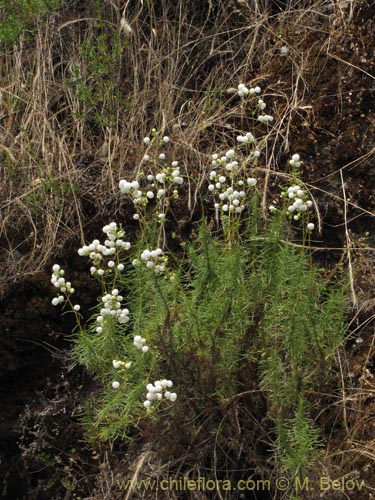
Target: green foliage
column 96, row 81
column 18, row 16
column 257, row 307
column 238, row 307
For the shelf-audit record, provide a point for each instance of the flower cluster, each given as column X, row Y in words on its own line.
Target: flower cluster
column 139, row 343
column 65, row 287
column 158, row 187
column 112, row 309
column 244, row 91
column 225, row 184
column 157, row 390
column 265, row 118
column 121, row 364
column 246, row 139
column 153, row 259
column 97, row 252
column 300, row 204
column 295, row 161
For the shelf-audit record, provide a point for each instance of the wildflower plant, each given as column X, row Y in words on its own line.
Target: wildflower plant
column 156, row 185
column 234, row 309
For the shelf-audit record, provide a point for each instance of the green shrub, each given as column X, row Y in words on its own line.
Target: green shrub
column 18, row 16
column 240, row 309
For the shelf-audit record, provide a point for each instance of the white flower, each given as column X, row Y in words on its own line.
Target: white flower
column 166, row 139
column 150, row 195
column 261, row 104
column 55, row 301
column 310, row 226
column 162, row 156
column 173, row 396
column 115, row 384
column 147, row 404
column 146, row 158
column 242, row 90
column 145, row 348
column 146, row 140
column 77, row 307
column 56, row 268
column 160, row 177
column 251, row 181
column 284, row 50
column 230, row 153
column 120, row 267
column 136, row 217
column 125, row 186
column 116, row 364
